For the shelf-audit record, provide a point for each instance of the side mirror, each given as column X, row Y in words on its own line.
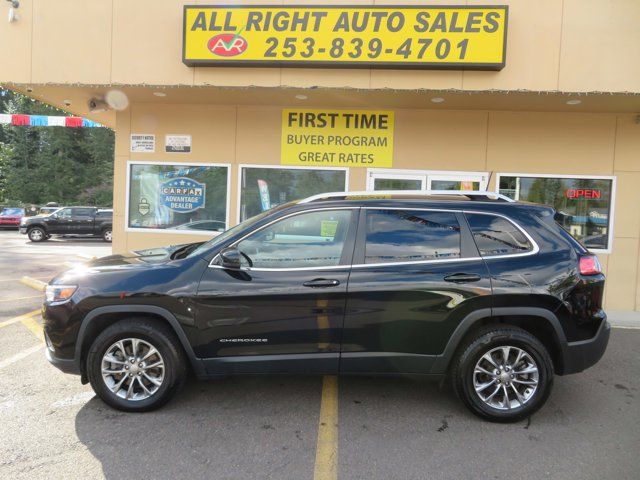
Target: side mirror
column 230, row 258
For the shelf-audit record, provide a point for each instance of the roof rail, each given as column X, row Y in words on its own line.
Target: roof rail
column 421, row 193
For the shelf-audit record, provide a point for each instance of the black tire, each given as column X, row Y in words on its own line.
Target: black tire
column 37, row 234
column 107, row 235
column 485, row 340
column 155, row 333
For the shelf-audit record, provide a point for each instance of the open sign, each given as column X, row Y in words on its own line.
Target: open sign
column 591, row 193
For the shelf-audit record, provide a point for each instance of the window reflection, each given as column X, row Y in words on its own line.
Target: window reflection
column 583, row 204
column 409, row 236
column 313, row 239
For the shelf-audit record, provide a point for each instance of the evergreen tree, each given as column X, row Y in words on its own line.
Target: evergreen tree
column 70, row 166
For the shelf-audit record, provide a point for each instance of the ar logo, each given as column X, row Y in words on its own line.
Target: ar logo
column 143, row 206
column 227, row 44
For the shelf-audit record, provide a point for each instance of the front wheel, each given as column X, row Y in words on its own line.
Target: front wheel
column 136, row 365
column 503, row 374
column 37, row 234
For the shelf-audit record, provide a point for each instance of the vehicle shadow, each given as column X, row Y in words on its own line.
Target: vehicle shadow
column 240, row 427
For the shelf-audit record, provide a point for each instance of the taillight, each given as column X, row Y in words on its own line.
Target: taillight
column 590, row 265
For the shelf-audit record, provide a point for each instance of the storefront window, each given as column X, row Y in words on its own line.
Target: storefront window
column 264, row 188
column 188, row 198
column 583, row 204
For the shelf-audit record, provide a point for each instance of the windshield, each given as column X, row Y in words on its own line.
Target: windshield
column 12, row 211
column 218, row 239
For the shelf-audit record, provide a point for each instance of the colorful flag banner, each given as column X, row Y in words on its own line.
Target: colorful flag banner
column 21, row 120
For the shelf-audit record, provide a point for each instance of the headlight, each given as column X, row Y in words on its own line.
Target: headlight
column 59, row 293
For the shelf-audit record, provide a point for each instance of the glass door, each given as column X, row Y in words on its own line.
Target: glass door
column 390, row 181
column 457, row 182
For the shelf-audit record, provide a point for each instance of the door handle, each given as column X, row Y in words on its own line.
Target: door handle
column 321, row 283
column 462, row 278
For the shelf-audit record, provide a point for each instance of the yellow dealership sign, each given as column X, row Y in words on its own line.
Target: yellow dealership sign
column 337, row 138
column 462, row 37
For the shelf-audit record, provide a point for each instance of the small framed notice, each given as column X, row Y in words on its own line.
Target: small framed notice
column 177, row 144
column 143, row 143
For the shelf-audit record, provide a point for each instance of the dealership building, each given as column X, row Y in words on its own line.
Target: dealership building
column 222, row 112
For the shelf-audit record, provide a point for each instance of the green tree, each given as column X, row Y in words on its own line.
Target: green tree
column 70, row 166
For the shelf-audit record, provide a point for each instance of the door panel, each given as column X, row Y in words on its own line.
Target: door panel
column 61, row 223
column 397, row 315
column 418, row 276
column 285, row 306
column 82, row 220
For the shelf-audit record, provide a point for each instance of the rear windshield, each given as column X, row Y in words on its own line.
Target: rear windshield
column 12, row 211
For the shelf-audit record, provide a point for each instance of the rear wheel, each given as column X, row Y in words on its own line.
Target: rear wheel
column 107, row 235
column 37, row 234
column 503, row 374
column 136, row 365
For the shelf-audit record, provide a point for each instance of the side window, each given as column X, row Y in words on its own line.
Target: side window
column 496, row 235
column 83, row 212
column 410, row 236
column 313, row 239
column 65, row 213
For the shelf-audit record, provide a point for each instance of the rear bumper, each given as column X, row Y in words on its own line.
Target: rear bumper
column 578, row 356
column 23, row 230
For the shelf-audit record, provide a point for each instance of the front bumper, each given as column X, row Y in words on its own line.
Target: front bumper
column 578, row 356
column 63, row 364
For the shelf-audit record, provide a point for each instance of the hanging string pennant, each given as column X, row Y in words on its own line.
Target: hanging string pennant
column 21, row 120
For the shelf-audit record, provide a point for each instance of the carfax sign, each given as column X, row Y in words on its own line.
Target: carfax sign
column 182, row 194
column 455, row 37
column 337, row 138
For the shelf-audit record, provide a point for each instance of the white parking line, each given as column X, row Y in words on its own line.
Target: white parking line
column 20, row 355
column 77, row 399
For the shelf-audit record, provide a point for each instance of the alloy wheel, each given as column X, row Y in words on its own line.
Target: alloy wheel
column 35, row 235
column 506, row 378
column 133, row 369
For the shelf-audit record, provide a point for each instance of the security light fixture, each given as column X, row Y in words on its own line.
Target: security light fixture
column 116, row 99
column 160, row 94
column 301, row 97
column 574, row 101
column 437, row 100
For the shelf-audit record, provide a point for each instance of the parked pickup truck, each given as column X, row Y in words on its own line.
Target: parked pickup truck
column 69, row 221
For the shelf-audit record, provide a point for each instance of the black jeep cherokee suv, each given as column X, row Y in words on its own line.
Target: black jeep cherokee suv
column 493, row 294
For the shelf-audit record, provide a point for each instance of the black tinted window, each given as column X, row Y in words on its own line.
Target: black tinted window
column 411, row 235
column 496, row 235
column 83, row 212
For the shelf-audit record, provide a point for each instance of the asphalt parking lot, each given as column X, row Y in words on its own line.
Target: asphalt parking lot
column 293, row 427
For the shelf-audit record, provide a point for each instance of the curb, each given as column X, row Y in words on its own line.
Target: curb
column 33, row 283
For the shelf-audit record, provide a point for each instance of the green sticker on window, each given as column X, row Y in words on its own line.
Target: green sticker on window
column 328, row 228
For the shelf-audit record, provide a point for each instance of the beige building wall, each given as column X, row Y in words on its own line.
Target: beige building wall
column 484, row 141
column 552, row 45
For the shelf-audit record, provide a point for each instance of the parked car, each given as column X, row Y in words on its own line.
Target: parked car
column 491, row 294
column 208, row 225
column 69, row 221
column 11, row 217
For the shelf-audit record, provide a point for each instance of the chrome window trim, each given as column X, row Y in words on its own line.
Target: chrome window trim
column 417, row 262
column 534, row 244
column 534, row 250
column 248, row 269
